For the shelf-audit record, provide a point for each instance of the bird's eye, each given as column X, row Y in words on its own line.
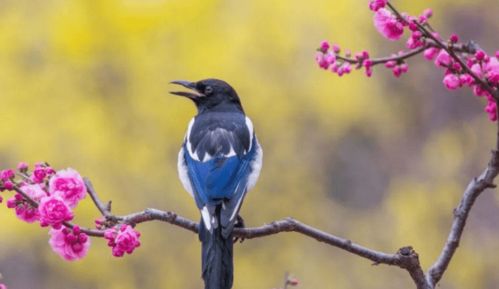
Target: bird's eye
column 208, row 90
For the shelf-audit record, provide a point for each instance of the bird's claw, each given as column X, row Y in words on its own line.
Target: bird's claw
column 239, row 224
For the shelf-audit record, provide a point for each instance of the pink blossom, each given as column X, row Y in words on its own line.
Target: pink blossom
column 336, row 48
column 436, row 35
column 368, row 64
column 39, row 174
column 413, row 26
column 375, row 5
column 465, row 79
column 388, row 25
column 293, row 282
column 397, row 72
column 22, row 167
column 321, row 60
column 428, row 13
column 390, row 64
column 34, row 191
column 477, row 69
column 423, row 18
column 100, row 223
column 347, row 68
column 340, row 71
column 451, row 81
column 488, row 69
column 492, row 70
column 334, row 68
column 24, row 210
column 122, row 238
column 398, row 68
column 330, row 58
column 8, row 185
column 443, row 59
column 70, row 244
column 491, row 110
column 2, row 286
column 415, row 40
column 456, row 66
column 454, row 38
column 480, row 55
column 324, row 46
column 478, row 90
column 6, row 175
column 404, row 67
column 69, row 185
column 54, row 211
column 325, row 60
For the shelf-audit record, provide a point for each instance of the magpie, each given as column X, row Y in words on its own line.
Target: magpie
column 219, row 162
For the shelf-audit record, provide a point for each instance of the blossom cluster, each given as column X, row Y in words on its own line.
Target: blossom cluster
column 123, row 239
column 71, row 244
column 464, row 65
column 48, row 197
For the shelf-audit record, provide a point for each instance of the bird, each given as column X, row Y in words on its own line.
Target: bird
column 219, row 162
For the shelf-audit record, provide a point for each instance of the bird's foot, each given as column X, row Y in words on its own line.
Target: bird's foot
column 239, row 224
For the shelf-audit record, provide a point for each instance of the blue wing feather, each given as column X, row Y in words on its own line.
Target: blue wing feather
column 220, row 176
column 217, row 179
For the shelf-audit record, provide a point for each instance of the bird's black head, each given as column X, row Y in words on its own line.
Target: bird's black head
column 210, row 94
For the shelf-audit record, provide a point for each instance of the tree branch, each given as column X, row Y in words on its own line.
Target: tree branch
column 474, row 189
column 405, row 258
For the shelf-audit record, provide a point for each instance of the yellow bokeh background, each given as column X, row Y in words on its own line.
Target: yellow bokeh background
column 383, row 162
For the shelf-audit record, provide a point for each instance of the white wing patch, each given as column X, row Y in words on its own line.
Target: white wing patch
column 249, row 124
column 188, row 144
column 236, row 208
column 214, row 134
column 183, row 174
column 217, row 134
column 256, row 167
column 206, row 217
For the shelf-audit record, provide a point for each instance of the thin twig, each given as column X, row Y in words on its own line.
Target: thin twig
column 380, row 60
column 458, row 47
column 104, row 209
column 90, row 232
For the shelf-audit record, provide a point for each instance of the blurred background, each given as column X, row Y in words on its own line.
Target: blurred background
column 380, row 161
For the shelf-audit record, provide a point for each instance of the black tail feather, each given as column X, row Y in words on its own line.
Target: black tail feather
column 217, row 254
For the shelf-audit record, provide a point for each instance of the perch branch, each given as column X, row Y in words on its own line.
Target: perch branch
column 405, row 257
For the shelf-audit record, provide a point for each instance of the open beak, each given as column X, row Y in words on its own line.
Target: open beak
column 193, row 94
